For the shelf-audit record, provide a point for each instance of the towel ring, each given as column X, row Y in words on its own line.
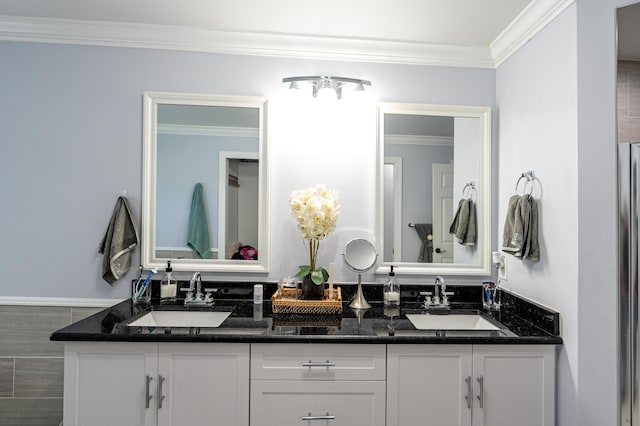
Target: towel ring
column 468, row 190
column 530, row 177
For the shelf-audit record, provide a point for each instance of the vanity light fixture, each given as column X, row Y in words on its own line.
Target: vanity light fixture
column 321, row 84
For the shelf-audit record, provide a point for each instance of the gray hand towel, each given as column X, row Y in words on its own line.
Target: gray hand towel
column 424, row 230
column 460, row 222
column 118, row 242
column 532, row 248
column 456, row 218
column 509, row 242
column 470, row 235
column 521, row 225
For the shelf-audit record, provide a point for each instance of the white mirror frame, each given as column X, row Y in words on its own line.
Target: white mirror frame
column 150, row 112
column 483, row 189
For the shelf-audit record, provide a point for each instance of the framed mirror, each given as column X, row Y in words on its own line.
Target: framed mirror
column 205, row 186
column 433, row 195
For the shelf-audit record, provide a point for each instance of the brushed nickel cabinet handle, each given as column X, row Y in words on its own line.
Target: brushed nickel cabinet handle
column 327, row 363
column 481, row 395
column 325, row 417
column 147, row 393
column 469, row 391
column 161, row 380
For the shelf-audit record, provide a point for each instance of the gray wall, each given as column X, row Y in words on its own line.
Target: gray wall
column 597, row 226
column 558, row 116
column 71, row 120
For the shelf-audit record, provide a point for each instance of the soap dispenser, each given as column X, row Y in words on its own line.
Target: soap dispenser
column 391, row 295
column 168, row 285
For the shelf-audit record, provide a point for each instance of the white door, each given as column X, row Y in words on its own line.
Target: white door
column 514, row 385
column 108, row 384
column 442, row 212
column 429, row 385
column 203, row 384
column 321, row 403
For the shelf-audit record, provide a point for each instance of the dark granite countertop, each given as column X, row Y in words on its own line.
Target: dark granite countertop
column 520, row 322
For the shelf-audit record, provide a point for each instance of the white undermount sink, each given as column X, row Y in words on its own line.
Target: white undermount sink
column 451, row 322
column 180, row 319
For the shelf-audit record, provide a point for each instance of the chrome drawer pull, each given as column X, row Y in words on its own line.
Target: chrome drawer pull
column 327, row 363
column 148, row 395
column 326, row 417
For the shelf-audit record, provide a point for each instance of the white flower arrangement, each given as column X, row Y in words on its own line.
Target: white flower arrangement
column 316, row 211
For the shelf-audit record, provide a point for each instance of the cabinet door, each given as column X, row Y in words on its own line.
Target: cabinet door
column 335, row 403
column 105, row 384
column 429, row 385
column 203, row 384
column 514, row 385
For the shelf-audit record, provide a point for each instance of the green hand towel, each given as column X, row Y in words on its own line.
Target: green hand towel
column 198, row 234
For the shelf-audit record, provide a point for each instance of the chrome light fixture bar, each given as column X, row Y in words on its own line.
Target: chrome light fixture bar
column 319, row 82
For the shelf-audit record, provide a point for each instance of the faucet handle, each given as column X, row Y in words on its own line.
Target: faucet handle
column 445, row 297
column 208, row 297
column 427, row 297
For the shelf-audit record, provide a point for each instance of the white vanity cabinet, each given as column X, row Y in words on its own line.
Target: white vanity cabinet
column 336, row 384
column 126, row 383
column 470, row 385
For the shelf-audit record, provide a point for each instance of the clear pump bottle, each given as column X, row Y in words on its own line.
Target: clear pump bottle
column 391, row 291
column 168, row 285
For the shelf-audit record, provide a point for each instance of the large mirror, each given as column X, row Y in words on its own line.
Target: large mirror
column 433, row 195
column 205, row 182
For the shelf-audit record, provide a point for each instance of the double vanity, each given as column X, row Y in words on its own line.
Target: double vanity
column 237, row 363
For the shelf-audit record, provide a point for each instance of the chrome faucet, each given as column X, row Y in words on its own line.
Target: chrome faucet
column 195, row 285
column 440, row 297
column 438, row 290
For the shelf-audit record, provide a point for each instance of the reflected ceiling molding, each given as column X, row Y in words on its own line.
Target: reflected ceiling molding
column 199, row 130
column 418, row 140
column 321, row 84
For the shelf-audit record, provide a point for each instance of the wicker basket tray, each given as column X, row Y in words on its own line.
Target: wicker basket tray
column 306, row 320
column 288, row 302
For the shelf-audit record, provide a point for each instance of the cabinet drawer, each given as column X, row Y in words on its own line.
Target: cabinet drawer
column 296, row 403
column 318, row 362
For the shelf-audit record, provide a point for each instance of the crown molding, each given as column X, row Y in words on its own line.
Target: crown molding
column 525, row 26
column 149, row 36
column 99, row 33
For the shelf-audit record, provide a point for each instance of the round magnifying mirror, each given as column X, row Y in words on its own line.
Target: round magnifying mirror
column 360, row 255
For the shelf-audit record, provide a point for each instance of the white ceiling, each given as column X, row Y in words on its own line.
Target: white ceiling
column 478, row 33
